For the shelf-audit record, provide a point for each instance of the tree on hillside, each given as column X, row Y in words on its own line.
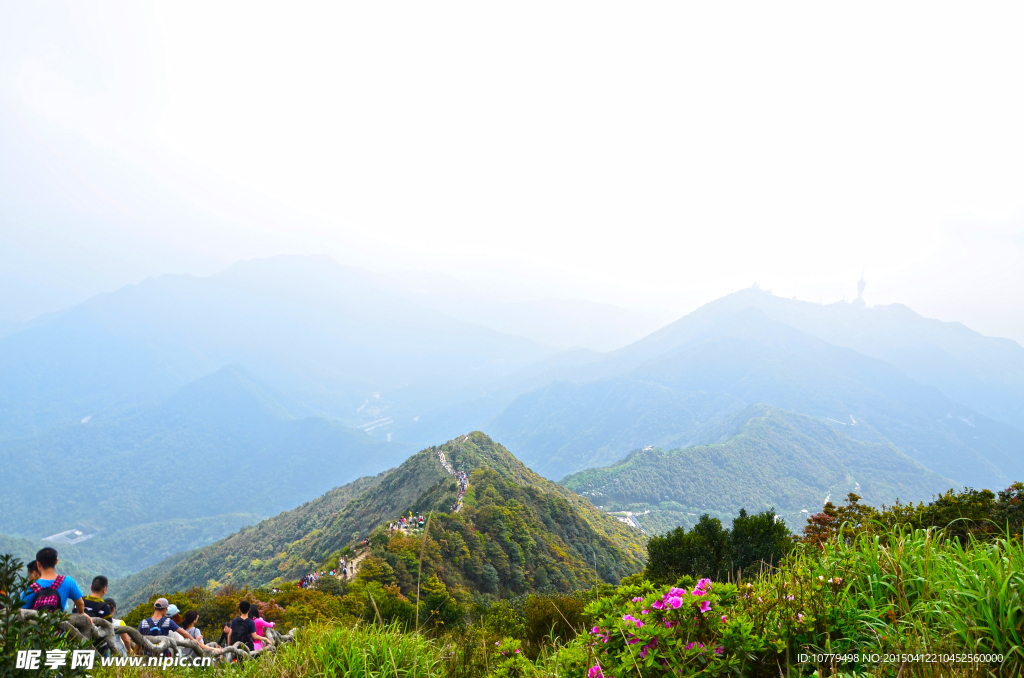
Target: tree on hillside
column 852, row 517
column 702, row 552
column 758, row 538
column 709, row 550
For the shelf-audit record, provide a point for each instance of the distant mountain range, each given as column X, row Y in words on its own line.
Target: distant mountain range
column 243, row 394
column 958, row 415
column 325, row 336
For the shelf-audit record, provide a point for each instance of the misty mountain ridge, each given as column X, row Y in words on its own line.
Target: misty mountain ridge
column 665, row 389
column 275, row 380
column 318, row 332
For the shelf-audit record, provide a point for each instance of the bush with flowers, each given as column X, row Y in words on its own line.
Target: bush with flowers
column 513, row 663
column 648, row 631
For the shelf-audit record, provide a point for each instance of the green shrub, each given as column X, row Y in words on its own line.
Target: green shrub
column 553, row 616
column 504, row 619
column 332, row 586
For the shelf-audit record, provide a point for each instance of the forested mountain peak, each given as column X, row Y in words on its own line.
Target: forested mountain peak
column 513, row 531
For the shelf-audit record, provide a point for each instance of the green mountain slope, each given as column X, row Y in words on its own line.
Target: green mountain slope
column 771, row 458
column 255, row 554
column 532, row 532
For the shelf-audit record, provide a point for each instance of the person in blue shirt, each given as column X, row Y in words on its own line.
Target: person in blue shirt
column 46, row 561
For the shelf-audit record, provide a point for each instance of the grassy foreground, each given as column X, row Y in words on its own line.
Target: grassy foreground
column 901, row 602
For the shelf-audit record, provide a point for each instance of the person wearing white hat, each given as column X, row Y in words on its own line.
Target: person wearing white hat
column 160, row 624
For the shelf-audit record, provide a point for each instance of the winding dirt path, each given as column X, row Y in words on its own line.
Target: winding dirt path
column 353, row 565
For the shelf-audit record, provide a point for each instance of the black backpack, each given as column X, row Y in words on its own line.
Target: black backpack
column 48, row 599
column 158, row 626
column 240, row 632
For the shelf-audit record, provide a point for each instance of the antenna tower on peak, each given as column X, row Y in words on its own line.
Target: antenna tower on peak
column 859, row 301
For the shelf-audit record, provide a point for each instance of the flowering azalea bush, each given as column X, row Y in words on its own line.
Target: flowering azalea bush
column 649, row 631
column 513, row 664
column 713, row 629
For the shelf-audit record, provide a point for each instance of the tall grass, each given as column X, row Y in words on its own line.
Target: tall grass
column 373, row 652
column 329, row 651
column 927, row 594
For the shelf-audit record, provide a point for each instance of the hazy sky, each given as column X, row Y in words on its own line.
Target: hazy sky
column 653, row 155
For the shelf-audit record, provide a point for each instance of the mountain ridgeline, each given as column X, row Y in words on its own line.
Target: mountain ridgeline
column 516, row 532
column 190, row 407
column 844, row 363
column 768, row 458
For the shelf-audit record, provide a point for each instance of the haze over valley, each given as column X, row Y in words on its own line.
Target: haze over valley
column 259, row 388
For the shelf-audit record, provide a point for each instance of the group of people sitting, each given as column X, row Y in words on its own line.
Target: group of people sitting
column 247, row 628
column 312, row 578
column 345, row 568
column 49, row 591
column 404, row 523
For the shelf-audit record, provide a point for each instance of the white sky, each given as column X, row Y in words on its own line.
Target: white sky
column 652, row 155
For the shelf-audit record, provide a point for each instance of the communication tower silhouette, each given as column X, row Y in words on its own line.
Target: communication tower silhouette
column 859, row 301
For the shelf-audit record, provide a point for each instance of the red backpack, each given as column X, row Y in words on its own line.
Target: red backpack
column 48, row 599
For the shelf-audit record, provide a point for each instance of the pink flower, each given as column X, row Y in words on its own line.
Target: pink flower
column 644, row 611
column 705, row 606
column 595, row 630
column 719, row 650
column 658, row 605
column 799, row 616
column 638, row 599
column 676, row 592
column 674, row 602
column 595, row 672
column 723, row 618
column 789, row 598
